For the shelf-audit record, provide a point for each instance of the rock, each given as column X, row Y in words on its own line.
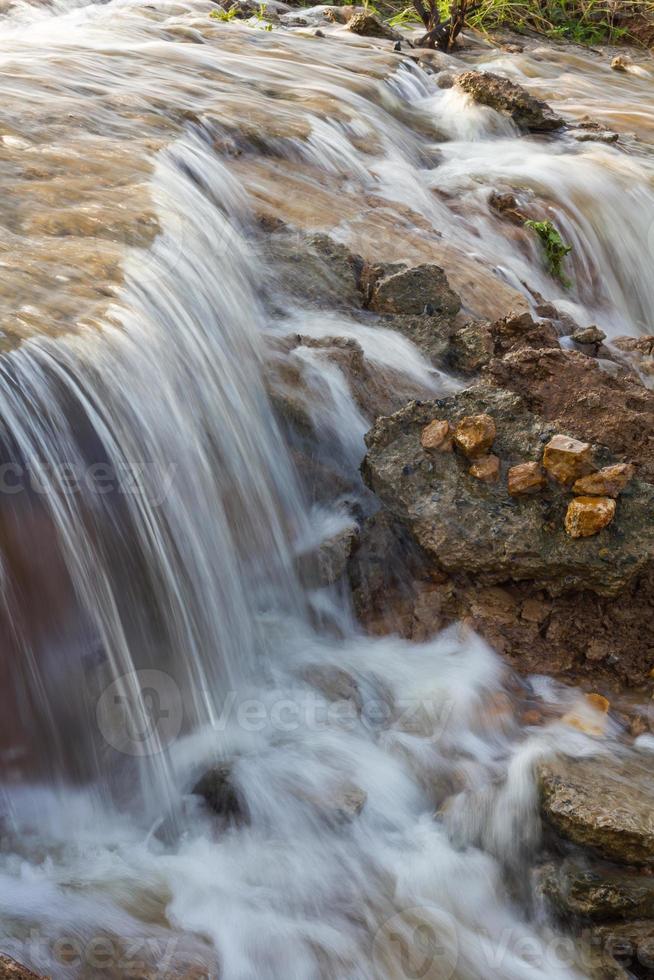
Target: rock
column 334, row 682
column 11, row 970
column 574, row 392
column 475, row 434
column 526, row 478
column 597, row 893
column 315, row 268
column 610, row 481
column 603, row 804
column 510, row 99
column 467, row 527
column 217, row 789
column 475, row 344
column 630, row 943
column 431, row 334
column 486, row 468
column 507, row 207
column 589, row 335
column 368, row 24
column 621, row 62
column 436, row 437
column 594, row 135
column 567, row 459
column 333, row 553
column 445, row 79
column 587, row 516
column 338, row 805
column 411, row 291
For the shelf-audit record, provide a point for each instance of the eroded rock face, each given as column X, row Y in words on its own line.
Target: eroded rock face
column 510, row 99
column 474, row 528
column 602, row 804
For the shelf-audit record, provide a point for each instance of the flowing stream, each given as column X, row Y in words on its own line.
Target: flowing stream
column 154, row 622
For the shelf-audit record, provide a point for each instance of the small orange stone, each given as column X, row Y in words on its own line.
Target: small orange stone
column 475, row 434
column 525, row 478
column 607, row 482
column 588, row 515
column 436, row 436
column 486, row 468
column 567, row 459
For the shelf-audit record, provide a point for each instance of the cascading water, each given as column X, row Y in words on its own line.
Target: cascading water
column 154, row 621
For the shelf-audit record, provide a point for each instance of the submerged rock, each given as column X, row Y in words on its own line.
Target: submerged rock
column 326, row 565
column 217, row 789
column 602, row 804
column 510, row 99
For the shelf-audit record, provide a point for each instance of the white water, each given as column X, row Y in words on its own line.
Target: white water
column 186, row 566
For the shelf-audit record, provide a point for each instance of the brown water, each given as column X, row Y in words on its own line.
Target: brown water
column 153, row 621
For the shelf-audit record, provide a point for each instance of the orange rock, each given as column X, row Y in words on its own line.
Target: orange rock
column 436, row 436
column 486, row 468
column 567, row 459
column 475, row 434
column 526, row 478
column 588, row 515
column 589, row 714
column 607, row 482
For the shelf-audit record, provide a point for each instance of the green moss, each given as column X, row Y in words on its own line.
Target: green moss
column 554, row 248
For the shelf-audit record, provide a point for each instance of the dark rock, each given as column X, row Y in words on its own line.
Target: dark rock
column 217, row 789
column 589, row 335
column 510, row 99
column 475, row 345
column 316, row 269
column 602, row 804
column 327, row 565
column 630, row 943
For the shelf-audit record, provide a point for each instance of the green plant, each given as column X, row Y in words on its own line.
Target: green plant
column 554, row 248
column 224, row 14
column 581, row 21
column 406, row 16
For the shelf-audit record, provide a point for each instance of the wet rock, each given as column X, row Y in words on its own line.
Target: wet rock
column 510, row 99
column 587, row 516
column 437, row 436
column 474, row 346
column 327, row 565
column 445, row 79
column 11, row 970
column 431, row 334
column 525, row 478
column 577, row 396
column 368, row 24
column 597, row 893
column 621, row 62
column 421, row 289
column 610, row 481
column 589, row 335
column 315, row 269
column 507, row 207
column 631, row 944
column 567, row 459
column 217, row 789
column 594, row 135
column 475, row 434
column 334, row 683
column 472, row 528
column 486, row 468
column 603, row 804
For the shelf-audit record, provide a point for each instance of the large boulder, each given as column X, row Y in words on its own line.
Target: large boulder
column 602, row 804
column 470, row 527
column 420, row 289
column 510, row 99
